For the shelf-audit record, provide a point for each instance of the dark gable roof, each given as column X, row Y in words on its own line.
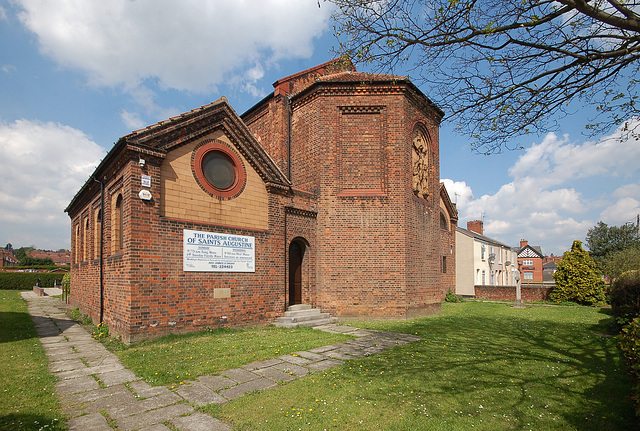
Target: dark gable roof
column 160, row 138
column 481, row 237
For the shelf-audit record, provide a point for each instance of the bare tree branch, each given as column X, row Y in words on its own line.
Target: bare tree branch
column 501, row 69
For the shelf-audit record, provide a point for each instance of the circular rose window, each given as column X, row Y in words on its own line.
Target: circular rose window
column 218, row 169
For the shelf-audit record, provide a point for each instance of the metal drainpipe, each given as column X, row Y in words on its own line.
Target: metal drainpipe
column 101, row 249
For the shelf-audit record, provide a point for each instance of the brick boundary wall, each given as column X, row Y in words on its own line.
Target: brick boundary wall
column 529, row 293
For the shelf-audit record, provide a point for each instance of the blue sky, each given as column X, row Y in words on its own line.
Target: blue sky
column 77, row 75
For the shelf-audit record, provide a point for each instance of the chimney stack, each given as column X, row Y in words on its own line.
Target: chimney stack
column 523, row 243
column 475, row 226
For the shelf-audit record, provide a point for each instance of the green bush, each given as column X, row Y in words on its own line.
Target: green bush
column 452, row 297
column 26, row 280
column 630, row 346
column 625, row 297
column 577, row 278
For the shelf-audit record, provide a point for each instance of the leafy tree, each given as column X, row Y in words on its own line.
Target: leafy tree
column 618, row 262
column 603, row 240
column 36, row 261
column 501, row 68
column 577, row 278
column 20, row 253
column 615, row 249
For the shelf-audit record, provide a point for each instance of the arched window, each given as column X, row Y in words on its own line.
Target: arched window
column 118, row 225
column 86, row 240
column 77, row 252
column 96, row 234
column 443, row 221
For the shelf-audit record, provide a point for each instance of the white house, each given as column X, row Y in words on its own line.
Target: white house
column 481, row 260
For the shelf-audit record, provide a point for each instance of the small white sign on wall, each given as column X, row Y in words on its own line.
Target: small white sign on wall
column 218, row 252
column 145, row 180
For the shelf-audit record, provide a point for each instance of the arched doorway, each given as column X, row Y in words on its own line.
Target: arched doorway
column 296, row 257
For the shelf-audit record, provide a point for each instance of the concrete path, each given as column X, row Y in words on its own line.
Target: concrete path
column 98, row 393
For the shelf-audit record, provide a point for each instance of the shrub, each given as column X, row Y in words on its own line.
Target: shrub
column 452, row 297
column 630, row 346
column 26, row 280
column 625, row 297
column 577, row 278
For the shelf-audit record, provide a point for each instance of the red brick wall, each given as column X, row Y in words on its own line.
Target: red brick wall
column 351, row 148
column 146, row 291
column 508, row 293
column 372, row 247
column 535, row 268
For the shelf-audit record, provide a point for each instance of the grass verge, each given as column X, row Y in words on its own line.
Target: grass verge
column 479, row 366
column 27, row 389
column 171, row 360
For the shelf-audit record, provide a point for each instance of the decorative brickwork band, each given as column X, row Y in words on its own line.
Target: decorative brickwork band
column 301, row 212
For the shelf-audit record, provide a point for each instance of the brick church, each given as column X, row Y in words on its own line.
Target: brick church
column 326, row 192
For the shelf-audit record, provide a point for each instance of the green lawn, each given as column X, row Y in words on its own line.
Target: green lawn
column 171, row 360
column 27, row 389
column 479, row 366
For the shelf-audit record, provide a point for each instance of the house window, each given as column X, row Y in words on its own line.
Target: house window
column 528, row 276
column 444, row 264
column 482, row 250
column 484, row 278
column 218, row 169
column 527, row 262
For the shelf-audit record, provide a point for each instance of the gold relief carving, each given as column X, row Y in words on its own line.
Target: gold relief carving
column 420, row 164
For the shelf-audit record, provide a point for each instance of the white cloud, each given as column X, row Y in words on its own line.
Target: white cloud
column 627, row 190
column 131, row 119
column 459, row 192
column 190, row 45
column 42, row 165
column 8, row 68
column 623, row 210
column 542, row 203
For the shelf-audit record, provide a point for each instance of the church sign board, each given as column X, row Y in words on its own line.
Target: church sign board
column 218, row 252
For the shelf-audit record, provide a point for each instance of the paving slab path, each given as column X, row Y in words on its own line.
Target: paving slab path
column 98, row 393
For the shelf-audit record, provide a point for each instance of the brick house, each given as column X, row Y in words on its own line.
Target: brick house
column 60, row 258
column 530, row 262
column 326, row 193
column 7, row 258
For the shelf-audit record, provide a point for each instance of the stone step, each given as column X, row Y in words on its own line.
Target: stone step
column 310, row 323
column 301, row 313
column 304, row 315
column 297, row 307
